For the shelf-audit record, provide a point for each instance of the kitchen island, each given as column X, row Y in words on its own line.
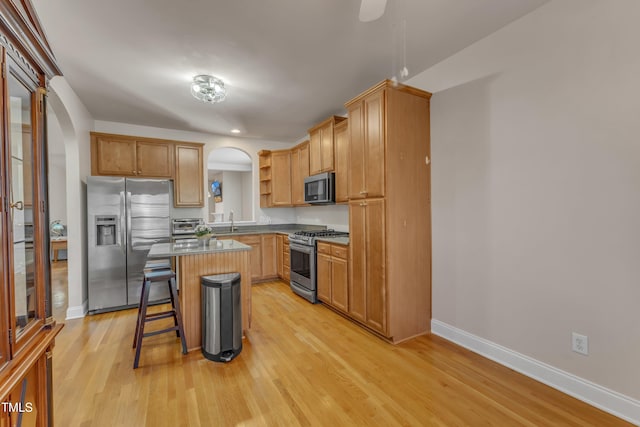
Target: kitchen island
column 193, row 262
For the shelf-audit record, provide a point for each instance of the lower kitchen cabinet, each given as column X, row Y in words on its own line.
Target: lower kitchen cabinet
column 263, row 255
column 367, row 285
column 279, row 254
column 269, row 259
column 323, row 274
column 282, row 256
column 332, row 275
column 255, row 242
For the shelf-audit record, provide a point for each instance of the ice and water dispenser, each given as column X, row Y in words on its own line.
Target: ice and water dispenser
column 106, row 230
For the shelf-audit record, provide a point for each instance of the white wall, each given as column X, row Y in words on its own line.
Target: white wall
column 75, row 123
column 232, row 193
column 56, row 169
column 247, row 196
column 536, row 189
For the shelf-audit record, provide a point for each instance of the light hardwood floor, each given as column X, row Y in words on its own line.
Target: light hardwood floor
column 301, row 364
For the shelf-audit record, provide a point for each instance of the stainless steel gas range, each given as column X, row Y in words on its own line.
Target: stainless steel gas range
column 302, row 251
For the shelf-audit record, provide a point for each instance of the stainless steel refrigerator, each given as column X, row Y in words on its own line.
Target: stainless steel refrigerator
column 125, row 216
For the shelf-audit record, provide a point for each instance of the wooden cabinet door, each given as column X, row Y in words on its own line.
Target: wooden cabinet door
column 356, row 170
column 326, row 147
column 188, row 186
column 269, row 257
column 341, row 160
column 297, row 189
column 315, row 152
column 358, row 261
column 374, row 169
column 286, row 263
column 299, row 171
column 323, row 277
column 281, row 178
column 155, row 159
column 339, row 284
column 280, row 255
column 376, row 312
column 255, row 242
column 304, row 164
column 115, row 156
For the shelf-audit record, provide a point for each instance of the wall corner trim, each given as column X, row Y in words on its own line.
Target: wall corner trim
column 608, row 400
column 78, row 311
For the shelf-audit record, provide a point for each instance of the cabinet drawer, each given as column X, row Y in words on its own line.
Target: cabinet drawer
column 286, row 259
column 285, row 240
column 324, row 248
column 248, row 239
column 339, row 251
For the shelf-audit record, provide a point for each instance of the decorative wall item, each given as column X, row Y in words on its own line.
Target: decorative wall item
column 216, row 190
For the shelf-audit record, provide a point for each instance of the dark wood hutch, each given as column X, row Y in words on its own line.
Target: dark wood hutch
column 27, row 328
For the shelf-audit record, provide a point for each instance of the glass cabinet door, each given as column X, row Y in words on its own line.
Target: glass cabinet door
column 20, row 99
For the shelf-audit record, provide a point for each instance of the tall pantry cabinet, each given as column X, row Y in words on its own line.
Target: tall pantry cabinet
column 27, row 328
column 390, row 210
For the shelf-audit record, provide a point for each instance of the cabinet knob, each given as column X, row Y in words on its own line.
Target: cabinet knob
column 139, row 172
column 134, row 172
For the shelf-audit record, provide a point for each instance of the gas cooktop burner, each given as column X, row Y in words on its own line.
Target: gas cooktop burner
column 310, row 236
column 320, row 233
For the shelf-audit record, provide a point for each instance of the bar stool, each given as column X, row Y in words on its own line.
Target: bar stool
column 152, row 276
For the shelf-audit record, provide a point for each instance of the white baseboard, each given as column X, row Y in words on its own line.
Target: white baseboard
column 608, row 400
column 78, row 311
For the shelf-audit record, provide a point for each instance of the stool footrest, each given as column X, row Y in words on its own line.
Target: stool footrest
column 161, row 331
column 158, row 316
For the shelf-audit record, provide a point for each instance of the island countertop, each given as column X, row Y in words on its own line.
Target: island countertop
column 163, row 250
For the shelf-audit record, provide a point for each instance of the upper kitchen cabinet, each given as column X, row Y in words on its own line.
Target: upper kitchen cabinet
column 281, row 178
column 27, row 326
column 321, row 145
column 139, row 157
column 299, row 171
column 188, row 185
column 367, row 145
column 341, row 135
column 390, row 211
column 276, row 175
column 121, row 155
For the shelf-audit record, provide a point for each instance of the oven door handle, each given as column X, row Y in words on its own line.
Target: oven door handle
column 302, row 248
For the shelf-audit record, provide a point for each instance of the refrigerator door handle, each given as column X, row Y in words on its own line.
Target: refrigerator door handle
column 122, row 235
column 129, row 243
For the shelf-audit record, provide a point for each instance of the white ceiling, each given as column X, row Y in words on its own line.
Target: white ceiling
column 288, row 64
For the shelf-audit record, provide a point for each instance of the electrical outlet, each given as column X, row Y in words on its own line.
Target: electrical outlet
column 580, row 343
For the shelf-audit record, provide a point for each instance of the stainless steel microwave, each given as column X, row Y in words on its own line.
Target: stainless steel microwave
column 320, row 189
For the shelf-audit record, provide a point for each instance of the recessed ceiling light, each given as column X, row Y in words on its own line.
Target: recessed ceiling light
column 235, row 130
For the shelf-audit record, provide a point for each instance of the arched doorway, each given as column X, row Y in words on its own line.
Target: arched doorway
column 230, row 185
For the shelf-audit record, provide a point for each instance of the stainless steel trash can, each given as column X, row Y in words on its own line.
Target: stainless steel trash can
column 221, row 317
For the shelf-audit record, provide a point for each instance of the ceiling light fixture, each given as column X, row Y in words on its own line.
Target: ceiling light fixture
column 235, row 130
column 208, row 89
